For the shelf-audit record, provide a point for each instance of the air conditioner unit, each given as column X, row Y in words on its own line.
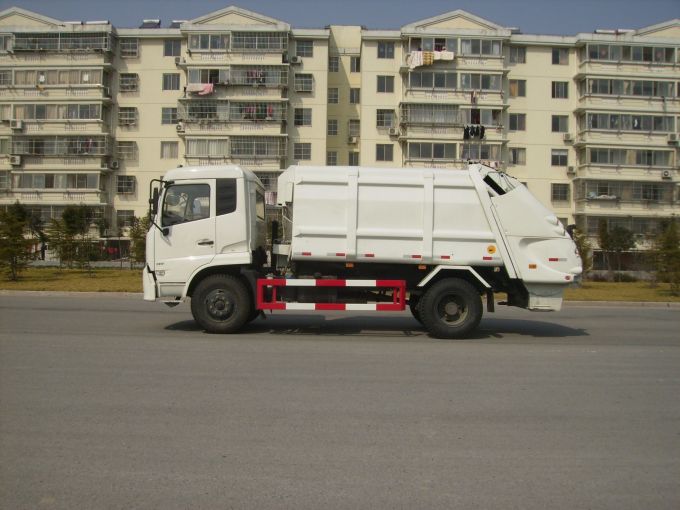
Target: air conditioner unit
column 16, row 124
column 394, row 131
column 295, row 60
column 113, row 165
column 15, row 160
column 352, row 139
column 571, row 170
column 179, row 127
column 178, row 61
column 666, row 174
column 673, row 139
column 568, row 137
column 104, row 165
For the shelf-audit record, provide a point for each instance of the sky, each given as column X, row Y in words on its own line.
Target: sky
column 558, row 17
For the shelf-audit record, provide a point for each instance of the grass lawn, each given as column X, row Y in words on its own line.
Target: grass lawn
column 130, row 280
column 76, row 280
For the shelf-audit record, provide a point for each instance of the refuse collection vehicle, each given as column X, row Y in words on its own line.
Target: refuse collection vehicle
column 440, row 241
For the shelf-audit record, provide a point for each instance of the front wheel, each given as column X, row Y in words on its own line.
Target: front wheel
column 451, row 308
column 221, row 304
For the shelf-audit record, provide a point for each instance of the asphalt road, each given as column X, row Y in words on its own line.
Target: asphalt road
column 110, row 402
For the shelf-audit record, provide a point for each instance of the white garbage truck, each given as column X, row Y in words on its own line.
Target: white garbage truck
column 438, row 241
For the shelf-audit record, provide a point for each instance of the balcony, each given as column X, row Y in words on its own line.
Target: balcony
column 61, row 146
column 237, row 47
column 264, row 152
column 633, row 197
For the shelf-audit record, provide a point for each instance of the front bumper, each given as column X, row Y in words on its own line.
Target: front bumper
column 149, row 284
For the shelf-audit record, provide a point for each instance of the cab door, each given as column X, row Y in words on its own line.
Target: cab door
column 187, row 217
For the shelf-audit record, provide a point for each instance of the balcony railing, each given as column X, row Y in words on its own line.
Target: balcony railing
column 62, row 146
column 228, row 111
column 98, row 41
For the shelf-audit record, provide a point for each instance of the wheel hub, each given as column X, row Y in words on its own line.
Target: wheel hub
column 219, row 305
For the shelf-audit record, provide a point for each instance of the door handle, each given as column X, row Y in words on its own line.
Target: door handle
column 205, row 242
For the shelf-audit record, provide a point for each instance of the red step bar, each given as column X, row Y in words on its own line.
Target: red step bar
column 398, row 294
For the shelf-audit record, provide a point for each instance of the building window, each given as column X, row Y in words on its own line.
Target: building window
column 558, row 157
column 331, row 158
column 518, row 156
column 124, row 218
column 127, row 116
column 355, row 64
column 518, row 122
column 354, row 96
column 384, row 118
column 518, row 55
column 480, row 47
column 304, row 48
column 126, row 150
column 169, row 116
column 128, row 82
column 125, row 184
column 4, row 180
column 171, row 81
column 560, row 56
column 354, row 127
column 302, row 151
column 333, row 64
column 559, row 192
column 480, row 81
column 385, row 84
column 518, row 88
column 169, row 150
column 303, row 117
column 560, row 123
column 172, row 48
column 304, row 83
column 444, row 80
column 560, row 89
column 353, row 158
column 5, row 77
column 332, row 128
column 333, row 95
column 129, row 48
column 385, row 50
column 429, row 150
column 209, row 42
column 384, row 152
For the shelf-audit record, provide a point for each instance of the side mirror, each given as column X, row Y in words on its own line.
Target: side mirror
column 153, row 202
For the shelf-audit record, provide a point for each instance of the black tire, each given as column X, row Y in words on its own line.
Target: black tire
column 413, row 304
column 451, row 308
column 221, row 304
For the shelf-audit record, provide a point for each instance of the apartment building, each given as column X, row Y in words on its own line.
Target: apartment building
column 91, row 113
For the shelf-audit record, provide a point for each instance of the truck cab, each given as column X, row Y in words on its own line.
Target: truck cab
column 205, row 218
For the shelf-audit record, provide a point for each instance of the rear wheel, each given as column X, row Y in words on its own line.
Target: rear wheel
column 221, row 304
column 451, row 308
column 413, row 304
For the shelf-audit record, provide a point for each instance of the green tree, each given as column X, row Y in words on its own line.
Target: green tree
column 138, row 230
column 69, row 236
column 585, row 249
column 614, row 243
column 667, row 256
column 14, row 243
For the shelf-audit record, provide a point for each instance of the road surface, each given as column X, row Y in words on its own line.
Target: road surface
column 111, row 402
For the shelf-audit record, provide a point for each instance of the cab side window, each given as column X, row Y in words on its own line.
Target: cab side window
column 185, row 202
column 225, row 196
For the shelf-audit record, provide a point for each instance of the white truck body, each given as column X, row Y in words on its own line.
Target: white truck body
column 441, row 236
column 437, row 217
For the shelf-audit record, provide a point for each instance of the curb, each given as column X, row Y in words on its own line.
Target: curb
column 56, row 293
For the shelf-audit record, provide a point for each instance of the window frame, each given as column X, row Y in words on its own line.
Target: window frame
column 387, row 82
column 386, row 50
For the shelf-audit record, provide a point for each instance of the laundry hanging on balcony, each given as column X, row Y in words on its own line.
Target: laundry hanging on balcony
column 208, row 88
